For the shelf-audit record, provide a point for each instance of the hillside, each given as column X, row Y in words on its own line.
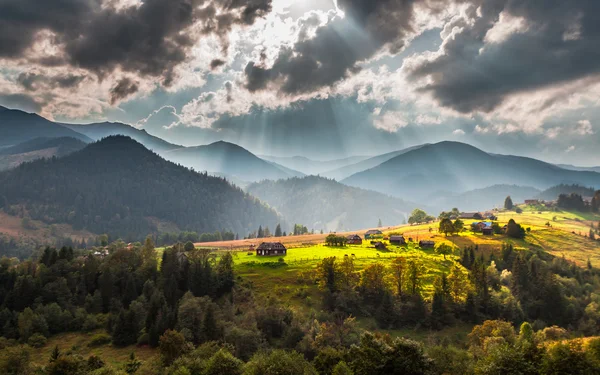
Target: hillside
column 348, row 170
column 102, row 130
column 313, row 167
column 482, row 199
column 321, row 203
column 457, row 168
column 38, row 148
column 576, row 168
column 553, row 192
column 118, row 186
column 18, row 127
column 228, row 159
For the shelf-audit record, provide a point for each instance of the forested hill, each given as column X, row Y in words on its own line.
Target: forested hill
column 326, row 204
column 118, row 186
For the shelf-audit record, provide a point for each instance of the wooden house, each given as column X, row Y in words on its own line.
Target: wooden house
column 354, row 240
column 471, row 216
column 426, row 244
column 271, row 249
column 373, row 233
column 397, row 240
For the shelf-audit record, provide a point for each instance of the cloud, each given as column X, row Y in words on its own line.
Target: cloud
column 149, row 38
column 570, row 149
column 584, row 127
column 337, row 48
column 547, row 46
column 458, row 132
column 124, row 88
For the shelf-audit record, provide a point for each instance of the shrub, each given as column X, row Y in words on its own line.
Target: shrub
column 37, row 340
column 99, row 340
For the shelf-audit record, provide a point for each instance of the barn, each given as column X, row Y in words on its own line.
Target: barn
column 354, row 240
column 271, row 249
column 426, row 244
column 373, row 233
column 397, row 240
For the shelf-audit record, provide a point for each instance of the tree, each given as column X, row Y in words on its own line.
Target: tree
column 418, row 216
column 446, row 226
column 278, row 231
column 398, row 271
column 444, row 249
column 279, row 362
column 379, row 225
column 223, row 362
column 189, row 246
column 514, row 230
column 342, row 368
column 261, row 233
column 172, row 345
column 458, row 225
column 508, row 203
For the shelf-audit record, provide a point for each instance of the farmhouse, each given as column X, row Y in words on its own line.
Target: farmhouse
column 426, row 244
column 354, row 240
column 373, row 233
column 271, row 249
column 532, row 202
column 397, row 240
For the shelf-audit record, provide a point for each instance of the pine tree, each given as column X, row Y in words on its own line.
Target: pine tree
column 261, row 233
column 508, row 203
column 133, row 364
column 210, row 331
column 379, row 225
column 278, row 231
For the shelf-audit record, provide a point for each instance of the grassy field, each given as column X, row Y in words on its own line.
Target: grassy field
column 79, row 343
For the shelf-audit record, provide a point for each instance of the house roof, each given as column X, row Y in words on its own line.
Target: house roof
column 486, row 224
column 354, row 237
column 271, row 246
column 469, row 215
column 374, row 231
column 394, row 238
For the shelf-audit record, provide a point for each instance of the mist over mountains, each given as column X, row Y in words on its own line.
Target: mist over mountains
column 138, row 183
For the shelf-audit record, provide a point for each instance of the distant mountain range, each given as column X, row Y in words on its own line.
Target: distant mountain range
column 18, row 127
column 229, row 159
column 118, row 186
column 38, row 148
column 325, row 204
column 457, row 168
column 314, row 167
column 482, row 199
column 575, row 168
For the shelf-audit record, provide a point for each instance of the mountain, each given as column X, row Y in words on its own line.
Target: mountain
column 482, row 199
column 313, row 167
column 457, row 168
column 575, row 168
column 18, row 127
column 102, row 130
column 228, row 159
column 38, row 148
column 553, row 192
column 118, row 186
column 322, row 203
column 348, row 170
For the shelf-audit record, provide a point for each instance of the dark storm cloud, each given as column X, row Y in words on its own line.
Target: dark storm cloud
column 216, row 63
column 123, row 89
column 336, row 49
column 559, row 45
column 33, row 81
column 150, row 39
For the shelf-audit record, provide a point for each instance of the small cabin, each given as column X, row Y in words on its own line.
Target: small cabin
column 426, row 244
column 471, row 216
column 354, row 240
column 397, row 240
column 487, row 231
column 373, row 233
column 271, row 249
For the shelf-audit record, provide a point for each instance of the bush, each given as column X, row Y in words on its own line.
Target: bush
column 37, row 340
column 99, row 340
column 519, row 210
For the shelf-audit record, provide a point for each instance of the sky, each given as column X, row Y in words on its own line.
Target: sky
column 318, row 78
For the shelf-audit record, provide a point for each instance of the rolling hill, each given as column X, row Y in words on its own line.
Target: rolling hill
column 18, row 127
column 38, row 148
column 348, row 170
column 482, row 199
column 313, row 167
column 118, row 186
column 322, row 203
column 457, row 168
column 228, row 159
column 102, row 130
